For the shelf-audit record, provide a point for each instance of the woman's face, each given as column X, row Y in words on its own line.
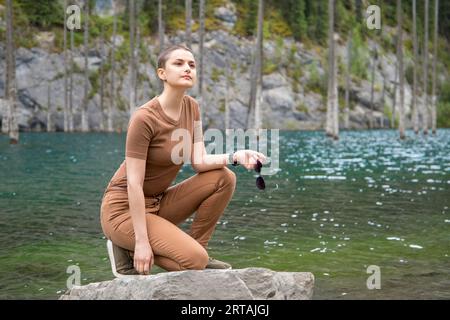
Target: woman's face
column 180, row 69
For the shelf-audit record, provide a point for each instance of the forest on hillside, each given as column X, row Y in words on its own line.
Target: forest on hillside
column 307, row 22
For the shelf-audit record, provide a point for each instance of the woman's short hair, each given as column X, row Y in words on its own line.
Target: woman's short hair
column 164, row 55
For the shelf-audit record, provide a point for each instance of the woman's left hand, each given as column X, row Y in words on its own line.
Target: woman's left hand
column 248, row 158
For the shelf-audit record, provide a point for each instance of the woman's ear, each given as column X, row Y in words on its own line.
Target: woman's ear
column 161, row 74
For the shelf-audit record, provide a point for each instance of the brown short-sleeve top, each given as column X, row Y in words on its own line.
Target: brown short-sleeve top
column 149, row 137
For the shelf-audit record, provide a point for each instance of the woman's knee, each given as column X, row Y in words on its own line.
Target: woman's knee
column 228, row 176
column 198, row 259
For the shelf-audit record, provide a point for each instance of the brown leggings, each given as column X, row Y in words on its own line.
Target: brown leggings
column 208, row 193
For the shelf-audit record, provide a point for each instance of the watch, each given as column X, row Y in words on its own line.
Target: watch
column 230, row 159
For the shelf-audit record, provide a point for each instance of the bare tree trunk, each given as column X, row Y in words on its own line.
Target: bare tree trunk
column 374, row 62
column 188, row 4
column 256, row 70
column 4, row 106
column 132, row 101
column 347, row 82
column 136, row 63
column 66, row 113
column 330, row 98
column 160, row 26
column 102, row 79
column 383, row 95
column 49, row 107
column 258, row 101
column 71, row 70
column 10, row 84
column 335, row 93
column 227, row 86
column 160, row 34
column 401, row 122
column 112, row 103
column 433, row 94
column 84, row 119
column 394, row 100
column 425, row 72
column 415, row 115
column 201, row 48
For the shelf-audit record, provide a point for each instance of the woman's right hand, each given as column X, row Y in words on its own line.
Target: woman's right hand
column 249, row 158
column 143, row 257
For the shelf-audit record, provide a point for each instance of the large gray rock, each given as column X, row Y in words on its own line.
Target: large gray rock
column 238, row 284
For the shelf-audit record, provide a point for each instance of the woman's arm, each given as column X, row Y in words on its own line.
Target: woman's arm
column 201, row 161
column 143, row 255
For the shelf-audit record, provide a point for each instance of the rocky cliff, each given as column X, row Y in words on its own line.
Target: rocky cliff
column 289, row 99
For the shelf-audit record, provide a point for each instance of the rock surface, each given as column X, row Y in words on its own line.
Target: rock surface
column 238, row 284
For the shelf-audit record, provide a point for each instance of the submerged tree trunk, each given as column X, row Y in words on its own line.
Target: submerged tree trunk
column 256, row 75
column 374, row 61
column 201, row 48
column 136, row 61
column 71, row 70
column 49, row 108
column 161, row 36
column 84, row 119
column 66, row 113
column 335, row 93
column 112, row 94
column 227, row 80
column 415, row 115
column 188, row 4
column 10, row 85
column 102, row 79
column 160, row 27
column 347, row 83
column 401, row 122
column 132, row 98
column 383, row 95
column 331, row 58
column 433, row 92
column 258, row 101
column 394, row 99
column 425, row 72
column 4, row 109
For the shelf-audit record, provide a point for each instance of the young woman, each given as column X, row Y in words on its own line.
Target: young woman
column 140, row 211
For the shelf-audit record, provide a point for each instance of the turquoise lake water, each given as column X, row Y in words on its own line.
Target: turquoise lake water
column 334, row 208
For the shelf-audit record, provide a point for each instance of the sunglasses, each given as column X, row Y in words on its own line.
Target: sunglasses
column 260, row 184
